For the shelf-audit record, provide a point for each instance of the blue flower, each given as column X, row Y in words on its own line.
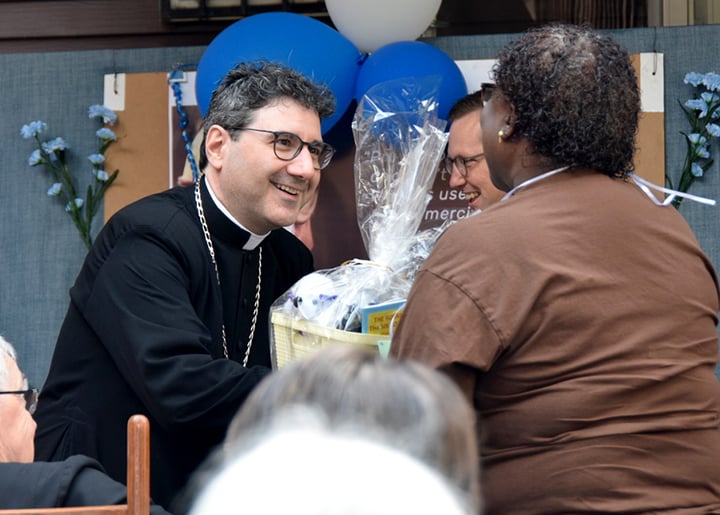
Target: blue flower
column 701, row 112
column 697, row 139
column 51, row 154
column 106, row 135
column 709, row 98
column 694, row 78
column 697, row 104
column 711, row 81
column 55, row 190
column 35, row 158
column 54, row 145
column 99, row 111
column 97, row 159
column 33, row 129
column 713, row 129
column 78, row 204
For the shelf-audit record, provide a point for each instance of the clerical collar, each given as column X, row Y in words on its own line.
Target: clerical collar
column 255, row 239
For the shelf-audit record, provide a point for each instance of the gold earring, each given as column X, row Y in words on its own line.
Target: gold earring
column 501, row 135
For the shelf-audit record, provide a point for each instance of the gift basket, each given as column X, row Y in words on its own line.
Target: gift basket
column 399, row 142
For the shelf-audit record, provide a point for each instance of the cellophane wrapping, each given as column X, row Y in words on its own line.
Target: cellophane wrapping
column 399, row 142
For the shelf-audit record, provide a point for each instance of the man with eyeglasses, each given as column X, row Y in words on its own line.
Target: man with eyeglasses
column 465, row 164
column 17, row 404
column 76, row 481
column 169, row 316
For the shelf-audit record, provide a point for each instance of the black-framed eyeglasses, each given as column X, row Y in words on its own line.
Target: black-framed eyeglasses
column 461, row 163
column 30, row 395
column 486, row 91
column 288, row 145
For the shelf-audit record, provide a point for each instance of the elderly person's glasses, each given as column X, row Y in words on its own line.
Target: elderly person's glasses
column 461, row 163
column 30, row 395
column 287, row 146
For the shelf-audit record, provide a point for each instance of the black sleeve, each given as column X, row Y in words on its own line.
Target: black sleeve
column 140, row 308
column 92, row 487
column 76, row 481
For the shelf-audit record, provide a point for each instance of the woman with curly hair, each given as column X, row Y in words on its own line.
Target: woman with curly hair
column 577, row 315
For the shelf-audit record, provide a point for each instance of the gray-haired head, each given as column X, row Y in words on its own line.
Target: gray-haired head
column 6, row 349
column 410, row 406
column 323, row 472
column 251, row 86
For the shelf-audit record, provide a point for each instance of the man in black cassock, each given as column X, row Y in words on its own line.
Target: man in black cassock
column 169, row 314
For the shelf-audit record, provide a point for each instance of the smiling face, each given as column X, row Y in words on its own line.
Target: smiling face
column 465, row 140
column 260, row 190
column 18, row 426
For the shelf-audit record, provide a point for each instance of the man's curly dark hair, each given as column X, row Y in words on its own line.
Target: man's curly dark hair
column 575, row 94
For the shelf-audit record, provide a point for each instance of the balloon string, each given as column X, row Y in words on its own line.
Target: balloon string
column 176, row 76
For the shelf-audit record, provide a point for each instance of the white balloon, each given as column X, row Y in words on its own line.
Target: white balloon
column 370, row 24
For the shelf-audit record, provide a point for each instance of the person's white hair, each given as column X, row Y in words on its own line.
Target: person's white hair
column 6, row 348
column 313, row 472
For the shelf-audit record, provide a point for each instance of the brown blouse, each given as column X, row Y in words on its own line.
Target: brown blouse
column 581, row 321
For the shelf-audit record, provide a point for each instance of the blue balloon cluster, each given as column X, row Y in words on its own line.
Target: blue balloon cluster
column 323, row 54
column 300, row 42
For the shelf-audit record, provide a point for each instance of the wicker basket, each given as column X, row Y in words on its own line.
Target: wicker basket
column 293, row 338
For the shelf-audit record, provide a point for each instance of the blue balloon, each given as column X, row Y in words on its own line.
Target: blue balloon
column 413, row 59
column 300, row 42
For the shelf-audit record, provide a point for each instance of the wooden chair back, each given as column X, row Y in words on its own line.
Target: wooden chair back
column 138, row 479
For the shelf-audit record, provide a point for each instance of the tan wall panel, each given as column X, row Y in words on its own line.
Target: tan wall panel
column 141, row 152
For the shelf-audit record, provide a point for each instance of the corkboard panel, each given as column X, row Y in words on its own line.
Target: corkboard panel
column 650, row 154
column 650, row 142
column 141, row 151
